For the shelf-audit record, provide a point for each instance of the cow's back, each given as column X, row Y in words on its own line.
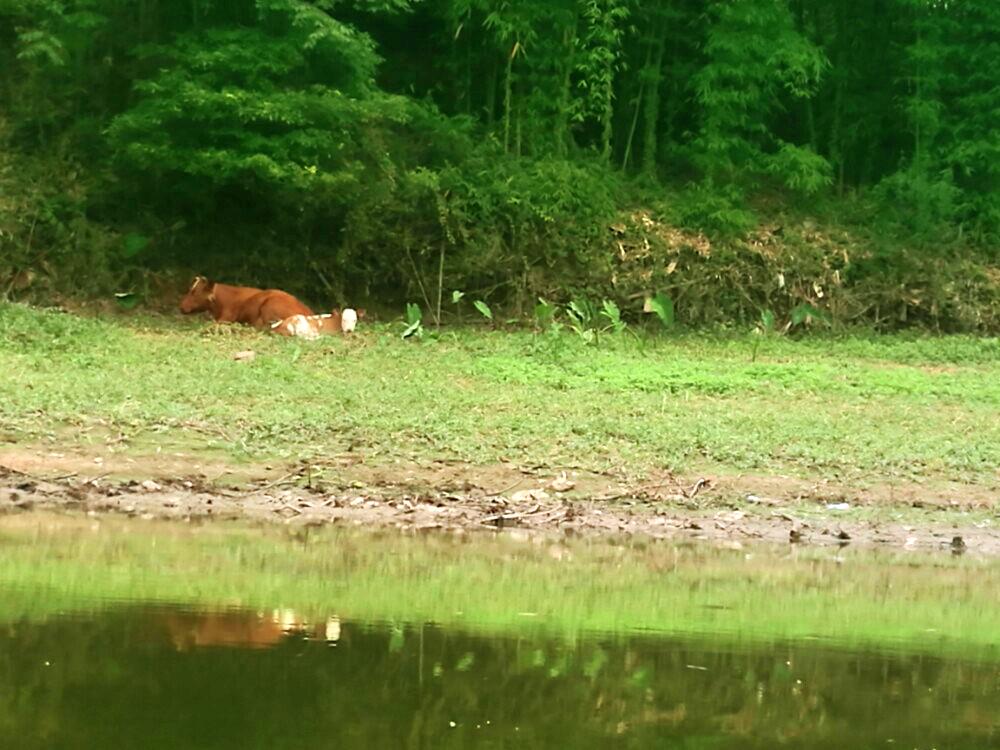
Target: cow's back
column 231, row 302
column 270, row 306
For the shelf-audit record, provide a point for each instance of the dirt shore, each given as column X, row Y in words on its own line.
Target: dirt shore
column 453, row 497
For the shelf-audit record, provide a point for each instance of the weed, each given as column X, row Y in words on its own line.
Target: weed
column 414, row 322
column 456, row 300
column 611, row 311
column 483, row 309
column 663, row 307
column 545, row 316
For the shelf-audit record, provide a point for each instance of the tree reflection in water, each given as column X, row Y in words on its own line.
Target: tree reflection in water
column 171, row 678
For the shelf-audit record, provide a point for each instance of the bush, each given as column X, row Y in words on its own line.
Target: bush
column 720, row 211
column 47, row 244
column 784, row 267
column 918, row 203
column 509, row 229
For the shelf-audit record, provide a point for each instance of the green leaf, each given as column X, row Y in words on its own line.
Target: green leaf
column 663, row 307
column 544, row 312
column 413, row 329
column 767, row 320
column 413, row 314
column 414, row 318
column 582, row 311
column 613, row 313
column 456, row 297
column 126, row 300
column 484, row 309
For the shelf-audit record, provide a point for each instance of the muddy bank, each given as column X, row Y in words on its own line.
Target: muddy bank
column 459, row 499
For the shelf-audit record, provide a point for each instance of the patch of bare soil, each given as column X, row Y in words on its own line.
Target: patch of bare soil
column 452, row 496
column 53, row 464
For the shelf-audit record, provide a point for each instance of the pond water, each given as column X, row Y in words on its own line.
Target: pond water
column 160, row 637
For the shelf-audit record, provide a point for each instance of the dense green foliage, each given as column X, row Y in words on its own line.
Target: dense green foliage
column 393, row 149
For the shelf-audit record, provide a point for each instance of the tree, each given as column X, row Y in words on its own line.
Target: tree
column 754, row 58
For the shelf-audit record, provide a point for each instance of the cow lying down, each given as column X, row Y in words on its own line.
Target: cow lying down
column 314, row 326
column 241, row 304
column 266, row 309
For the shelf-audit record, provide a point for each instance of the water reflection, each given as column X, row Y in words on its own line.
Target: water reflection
column 246, row 629
column 164, row 677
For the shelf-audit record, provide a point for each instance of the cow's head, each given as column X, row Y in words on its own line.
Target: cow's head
column 199, row 297
column 346, row 320
column 350, row 318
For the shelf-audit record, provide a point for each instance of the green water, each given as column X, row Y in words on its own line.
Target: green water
column 118, row 635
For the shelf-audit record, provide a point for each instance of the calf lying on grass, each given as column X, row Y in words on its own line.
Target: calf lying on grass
column 314, row 326
column 259, row 308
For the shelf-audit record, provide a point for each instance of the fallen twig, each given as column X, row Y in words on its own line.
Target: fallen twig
column 690, row 494
column 280, row 480
column 505, row 489
column 630, row 492
column 510, row 516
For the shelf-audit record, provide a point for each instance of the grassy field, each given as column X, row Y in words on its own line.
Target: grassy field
column 853, row 407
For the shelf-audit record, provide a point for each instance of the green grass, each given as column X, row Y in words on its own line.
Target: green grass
column 918, row 603
column 914, row 407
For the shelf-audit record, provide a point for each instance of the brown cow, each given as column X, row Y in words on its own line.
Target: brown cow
column 241, row 304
